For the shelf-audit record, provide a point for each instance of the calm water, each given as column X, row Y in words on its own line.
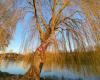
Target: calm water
column 52, row 70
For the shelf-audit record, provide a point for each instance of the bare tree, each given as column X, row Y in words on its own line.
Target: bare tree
column 81, row 31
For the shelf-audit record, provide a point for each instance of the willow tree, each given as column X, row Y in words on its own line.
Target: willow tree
column 8, row 19
column 78, row 33
column 73, row 29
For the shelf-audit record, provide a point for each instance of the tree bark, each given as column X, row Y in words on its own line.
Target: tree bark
column 37, row 61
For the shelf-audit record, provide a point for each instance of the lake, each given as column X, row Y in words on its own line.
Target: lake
column 54, row 68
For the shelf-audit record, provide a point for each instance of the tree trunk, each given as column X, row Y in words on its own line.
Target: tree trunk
column 35, row 68
column 37, row 60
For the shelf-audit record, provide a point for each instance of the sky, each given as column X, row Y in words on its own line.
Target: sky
column 15, row 43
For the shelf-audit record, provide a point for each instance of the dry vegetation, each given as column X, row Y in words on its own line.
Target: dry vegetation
column 81, row 63
column 79, row 34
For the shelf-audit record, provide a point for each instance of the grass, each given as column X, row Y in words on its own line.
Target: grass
column 87, row 63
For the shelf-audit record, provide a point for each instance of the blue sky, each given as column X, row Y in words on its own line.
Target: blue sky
column 16, row 40
column 15, row 43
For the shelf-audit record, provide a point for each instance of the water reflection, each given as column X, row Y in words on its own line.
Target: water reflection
column 53, row 69
column 12, row 67
column 63, row 74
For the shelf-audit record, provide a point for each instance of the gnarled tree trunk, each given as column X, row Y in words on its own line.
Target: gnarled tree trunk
column 37, row 61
